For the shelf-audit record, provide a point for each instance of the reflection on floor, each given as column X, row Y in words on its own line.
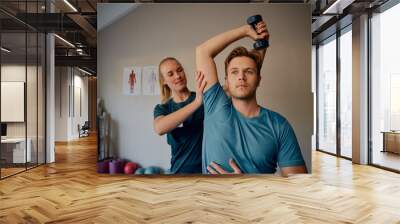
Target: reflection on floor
column 10, row 169
column 387, row 159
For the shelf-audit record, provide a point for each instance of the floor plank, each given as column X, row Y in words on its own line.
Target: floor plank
column 70, row 191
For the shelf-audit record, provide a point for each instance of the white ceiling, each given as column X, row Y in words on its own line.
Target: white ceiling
column 108, row 13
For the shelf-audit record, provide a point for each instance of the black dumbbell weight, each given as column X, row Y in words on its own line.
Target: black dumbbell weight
column 262, row 43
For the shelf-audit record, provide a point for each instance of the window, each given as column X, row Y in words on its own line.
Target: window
column 22, row 78
column 327, row 95
column 385, row 88
column 346, row 93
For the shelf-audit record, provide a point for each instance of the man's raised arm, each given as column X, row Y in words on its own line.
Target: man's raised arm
column 206, row 51
column 262, row 28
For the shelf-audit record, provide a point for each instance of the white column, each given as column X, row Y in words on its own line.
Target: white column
column 50, row 94
column 50, row 79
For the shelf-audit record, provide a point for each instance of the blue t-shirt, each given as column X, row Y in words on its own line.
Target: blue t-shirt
column 256, row 144
column 186, row 139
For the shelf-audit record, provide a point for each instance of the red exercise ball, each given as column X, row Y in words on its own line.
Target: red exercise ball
column 130, row 168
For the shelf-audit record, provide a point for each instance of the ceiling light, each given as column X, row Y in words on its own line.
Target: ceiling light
column 70, row 5
column 338, row 6
column 5, row 50
column 86, row 72
column 65, row 41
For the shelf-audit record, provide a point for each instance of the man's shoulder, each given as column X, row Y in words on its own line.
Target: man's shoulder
column 216, row 87
column 215, row 99
column 273, row 116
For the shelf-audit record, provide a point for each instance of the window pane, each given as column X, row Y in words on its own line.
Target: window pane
column 346, row 94
column 14, row 146
column 31, row 100
column 327, row 96
column 386, row 88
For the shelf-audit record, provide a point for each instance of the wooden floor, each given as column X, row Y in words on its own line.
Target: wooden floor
column 5, row 172
column 70, row 191
column 8, row 171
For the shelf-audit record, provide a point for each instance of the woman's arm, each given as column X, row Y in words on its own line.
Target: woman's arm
column 164, row 124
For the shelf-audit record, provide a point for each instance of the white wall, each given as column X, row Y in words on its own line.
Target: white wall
column 61, row 103
column 67, row 80
column 111, row 12
column 16, row 72
column 79, row 117
column 155, row 31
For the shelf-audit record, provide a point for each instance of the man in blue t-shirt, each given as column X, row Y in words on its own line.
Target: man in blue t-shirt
column 239, row 135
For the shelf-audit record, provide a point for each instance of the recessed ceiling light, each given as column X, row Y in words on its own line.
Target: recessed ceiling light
column 64, row 40
column 338, row 6
column 86, row 72
column 70, row 5
column 5, row 50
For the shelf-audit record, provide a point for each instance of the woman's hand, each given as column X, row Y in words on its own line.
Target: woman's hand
column 200, row 85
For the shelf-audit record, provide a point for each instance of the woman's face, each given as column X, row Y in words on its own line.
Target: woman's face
column 174, row 75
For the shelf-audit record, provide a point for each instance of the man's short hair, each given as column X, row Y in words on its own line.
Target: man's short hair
column 243, row 52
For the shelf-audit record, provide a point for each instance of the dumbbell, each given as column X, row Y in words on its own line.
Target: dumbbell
column 262, row 43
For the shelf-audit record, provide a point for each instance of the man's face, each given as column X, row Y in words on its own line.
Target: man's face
column 174, row 75
column 242, row 79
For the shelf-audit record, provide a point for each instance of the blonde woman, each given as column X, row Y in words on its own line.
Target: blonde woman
column 180, row 115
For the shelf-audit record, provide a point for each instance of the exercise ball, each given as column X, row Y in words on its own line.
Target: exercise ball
column 152, row 170
column 116, row 166
column 130, row 168
column 103, row 166
column 139, row 171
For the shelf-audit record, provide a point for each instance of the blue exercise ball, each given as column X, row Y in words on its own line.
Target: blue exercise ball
column 140, row 171
column 152, row 170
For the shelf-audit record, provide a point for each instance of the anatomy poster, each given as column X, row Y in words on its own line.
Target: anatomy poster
column 132, row 81
column 150, row 81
